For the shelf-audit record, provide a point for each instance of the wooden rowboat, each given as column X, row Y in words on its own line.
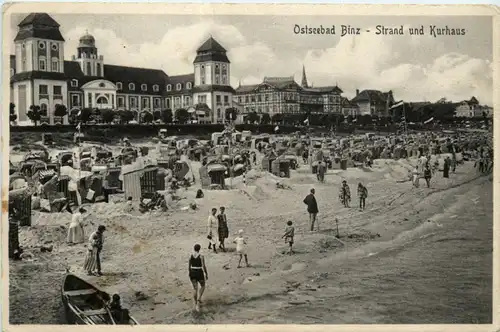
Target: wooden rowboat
column 85, row 304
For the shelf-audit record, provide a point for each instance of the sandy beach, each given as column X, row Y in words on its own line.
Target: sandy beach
column 415, row 255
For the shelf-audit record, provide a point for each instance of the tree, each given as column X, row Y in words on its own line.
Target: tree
column 231, row 113
column 166, row 115
column 12, row 113
column 60, row 110
column 157, row 115
column 266, row 119
column 277, row 118
column 253, row 117
column 126, row 116
column 34, row 114
column 147, row 117
column 108, row 115
column 85, row 115
column 182, row 115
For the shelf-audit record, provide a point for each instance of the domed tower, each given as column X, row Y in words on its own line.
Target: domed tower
column 90, row 61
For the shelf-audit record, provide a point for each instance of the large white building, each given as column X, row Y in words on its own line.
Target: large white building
column 40, row 76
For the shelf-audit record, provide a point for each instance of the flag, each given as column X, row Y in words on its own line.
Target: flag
column 306, row 121
column 79, row 126
column 430, row 120
column 396, row 105
column 276, row 128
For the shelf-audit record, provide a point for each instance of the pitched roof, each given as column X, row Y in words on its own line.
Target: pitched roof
column 281, row 82
column 246, row 88
column 39, row 25
column 373, row 96
column 211, row 45
column 183, row 80
column 324, row 89
column 43, row 75
column 348, row 103
column 39, row 19
column 135, row 75
column 72, row 69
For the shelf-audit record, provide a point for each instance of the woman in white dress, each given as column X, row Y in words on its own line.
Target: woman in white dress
column 76, row 233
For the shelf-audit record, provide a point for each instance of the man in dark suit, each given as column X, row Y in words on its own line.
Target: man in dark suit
column 312, row 208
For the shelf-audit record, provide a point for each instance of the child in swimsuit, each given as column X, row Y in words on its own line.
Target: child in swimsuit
column 289, row 233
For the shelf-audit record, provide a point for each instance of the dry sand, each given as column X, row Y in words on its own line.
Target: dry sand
column 394, row 251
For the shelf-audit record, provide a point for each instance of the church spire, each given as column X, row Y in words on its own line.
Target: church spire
column 304, row 77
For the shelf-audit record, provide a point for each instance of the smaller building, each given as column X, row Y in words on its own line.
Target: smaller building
column 374, row 102
column 470, row 109
column 349, row 107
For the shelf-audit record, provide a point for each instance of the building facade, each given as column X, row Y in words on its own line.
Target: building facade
column 349, row 108
column 374, row 102
column 40, row 76
column 472, row 109
column 282, row 95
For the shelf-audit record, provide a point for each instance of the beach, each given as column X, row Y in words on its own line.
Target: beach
column 415, row 255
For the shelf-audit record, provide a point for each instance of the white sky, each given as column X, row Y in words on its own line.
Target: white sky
column 415, row 68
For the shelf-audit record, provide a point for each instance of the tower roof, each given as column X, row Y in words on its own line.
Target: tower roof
column 211, row 45
column 87, row 40
column 39, row 25
column 304, row 78
column 38, row 20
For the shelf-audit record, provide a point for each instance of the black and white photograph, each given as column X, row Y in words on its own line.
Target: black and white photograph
column 248, row 164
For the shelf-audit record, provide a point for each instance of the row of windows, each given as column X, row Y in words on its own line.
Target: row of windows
column 144, row 87
column 44, row 90
column 41, row 45
column 286, row 96
column 42, row 64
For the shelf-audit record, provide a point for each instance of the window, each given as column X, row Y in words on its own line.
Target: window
column 23, row 65
column 75, row 100
column 217, row 99
column 157, row 102
column 89, row 69
column 55, row 64
column 42, row 64
column 144, row 87
column 202, row 75
column 99, row 70
column 167, row 102
column 177, row 102
column 11, row 72
column 202, row 99
column 156, row 88
column 43, row 109
column 145, row 102
column 169, row 87
column 57, row 90
column 119, row 85
column 179, row 86
column 41, row 45
column 43, row 89
column 23, row 46
column 133, row 102
column 90, row 99
column 187, row 101
column 216, row 79
column 54, row 46
column 226, row 100
column 102, row 100
column 131, row 86
column 74, row 83
column 188, row 85
column 121, row 102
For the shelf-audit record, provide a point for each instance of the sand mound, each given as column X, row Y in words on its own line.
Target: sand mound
column 36, row 236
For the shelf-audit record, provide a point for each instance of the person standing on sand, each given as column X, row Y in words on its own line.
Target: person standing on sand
column 76, row 233
column 289, row 234
column 240, row 248
column 222, row 228
column 446, row 168
column 362, row 195
column 428, row 175
column 312, row 208
column 345, row 194
column 321, row 171
column 212, row 221
column 197, row 274
column 415, row 177
column 93, row 257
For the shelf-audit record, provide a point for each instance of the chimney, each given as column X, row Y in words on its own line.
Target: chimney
column 357, row 92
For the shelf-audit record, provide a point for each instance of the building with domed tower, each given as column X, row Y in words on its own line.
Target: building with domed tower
column 40, row 76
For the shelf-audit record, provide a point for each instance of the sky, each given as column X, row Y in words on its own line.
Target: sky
column 415, row 68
